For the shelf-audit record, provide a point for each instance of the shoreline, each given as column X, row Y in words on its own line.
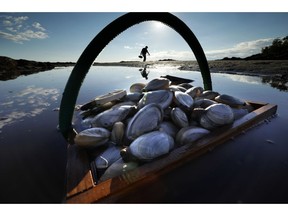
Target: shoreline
column 245, row 67
column 274, row 72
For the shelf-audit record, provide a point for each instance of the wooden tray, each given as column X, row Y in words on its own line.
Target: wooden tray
column 82, row 189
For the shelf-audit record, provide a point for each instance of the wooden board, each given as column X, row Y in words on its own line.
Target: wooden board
column 80, row 185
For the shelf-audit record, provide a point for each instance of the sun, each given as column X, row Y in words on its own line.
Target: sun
column 158, row 25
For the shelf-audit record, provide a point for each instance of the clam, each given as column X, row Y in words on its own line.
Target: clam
column 183, row 100
column 177, row 88
column 157, row 84
column 137, row 87
column 107, row 118
column 179, row 117
column 148, row 147
column 161, row 97
column 230, row 100
column 124, row 103
column 146, row 119
column 217, row 115
column 239, row 113
column 135, row 96
column 169, row 128
column 208, row 94
column 92, row 137
column 197, row 113
column 117, row 133
column 186, row 85
column 107, row 157
column 189, row 135
column 203, row 103
column 195, row 91
column 118, row 168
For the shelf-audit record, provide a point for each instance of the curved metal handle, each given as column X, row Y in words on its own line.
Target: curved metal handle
column 102, row 39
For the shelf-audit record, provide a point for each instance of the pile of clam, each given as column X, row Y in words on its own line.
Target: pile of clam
column 150, row 121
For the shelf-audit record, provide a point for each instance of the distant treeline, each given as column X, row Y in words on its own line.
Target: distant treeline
column 278, row 50
column 12, row 68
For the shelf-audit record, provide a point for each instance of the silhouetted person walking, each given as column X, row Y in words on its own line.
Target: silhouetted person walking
column 144, row 51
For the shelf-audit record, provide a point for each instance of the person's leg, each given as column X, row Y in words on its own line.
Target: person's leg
column 144, row 58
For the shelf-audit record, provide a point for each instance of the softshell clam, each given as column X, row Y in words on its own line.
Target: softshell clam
column 179, row 117
column 208, row 94
column 137, row 87
column 148, row 147
column 190, row 134
column 217, row 115
column 117, row 133
column 107, row 157
column 195, row 91
column 146, row 119
column 169, row 128
column 161, row 97
column 230, row 100
column 108, row 118
column 118, row 168
column 183, row 100
column 157, row 84
column 92, row 137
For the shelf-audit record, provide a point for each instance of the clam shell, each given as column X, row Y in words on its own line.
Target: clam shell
column 117, row 133
column 149, row 146
column 157, row 84
column 190, row 134
column 108, row 118
column 179, row 117
column 169, row 128
column 92, row 137
column 137, row 87
column 135, row 96
column 230, row 100
column 161, row 97
column 186, row 85
column 118, row 168
column 177, row 88
column 183, row 100
column 217, row 115
column 239, row 113
column 208, row 94
column 146, row 119
column 203, row 103
column 195, row 91
column 107, row 157
column 197, row 113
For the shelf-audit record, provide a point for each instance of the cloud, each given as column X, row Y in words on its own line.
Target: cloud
column 18, row 29
column 242, row 49
column 34, row 99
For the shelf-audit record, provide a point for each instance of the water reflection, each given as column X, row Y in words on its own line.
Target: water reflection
column 144, row 72
column 29, row 102
column 279, row 82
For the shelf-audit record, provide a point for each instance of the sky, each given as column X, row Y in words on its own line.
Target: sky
column 63, row 36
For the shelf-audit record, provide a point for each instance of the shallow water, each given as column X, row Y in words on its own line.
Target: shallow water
column 251, row 168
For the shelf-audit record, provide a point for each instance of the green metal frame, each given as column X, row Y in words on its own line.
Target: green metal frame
column 98, row 44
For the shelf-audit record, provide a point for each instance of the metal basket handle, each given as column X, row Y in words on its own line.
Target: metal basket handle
column 98, row 44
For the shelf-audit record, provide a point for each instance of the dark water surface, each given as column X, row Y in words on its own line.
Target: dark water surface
column 252, row 168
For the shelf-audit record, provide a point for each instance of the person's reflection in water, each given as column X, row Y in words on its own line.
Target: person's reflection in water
column 143, row 72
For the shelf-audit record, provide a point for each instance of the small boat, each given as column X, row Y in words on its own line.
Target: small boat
column 177, row 80
column 81, row 182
